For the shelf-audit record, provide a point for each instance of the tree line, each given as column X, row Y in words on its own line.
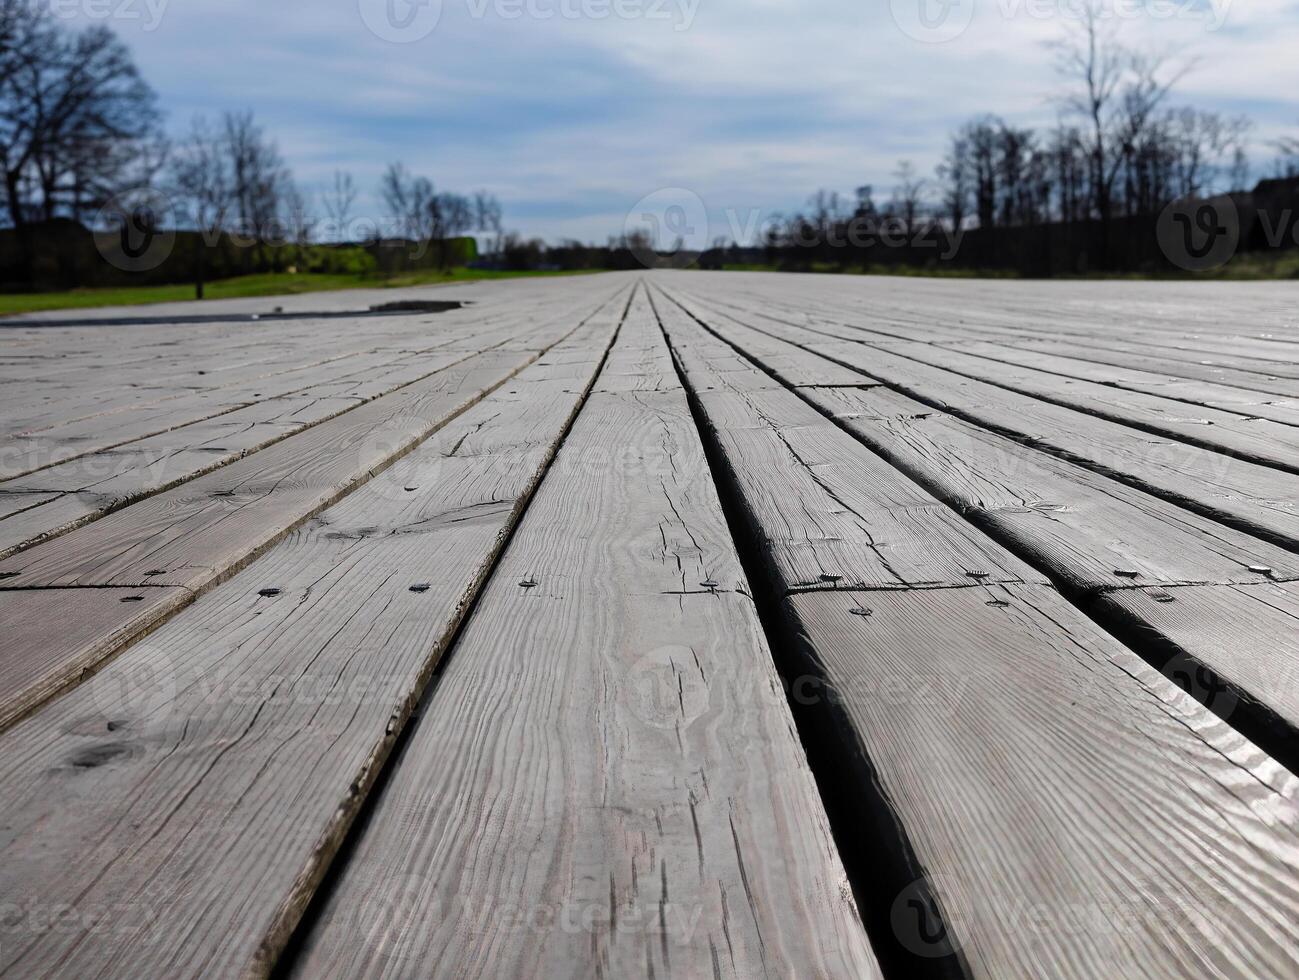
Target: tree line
column 81, row 137
column 1119, row 149
column 77, row 120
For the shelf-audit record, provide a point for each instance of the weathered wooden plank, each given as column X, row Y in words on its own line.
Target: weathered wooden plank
column 832, row 514
column 104, row 481
column 196, row 530
column 1095, row 536
column 1019, row 757
column 1073, row 814
column 199, row 787
column 56, row 513
column 1257, row 499
column 1211, row 394
column 202, row 531
column 1260, row 440
column 1222, row 317
column 32, row 449
column 16, row 503
column 1078, row 526
column 606, row 781
column 1195, row 356
column 1235, row 648
column 209, row 368
column 91, row 624
column 1272, row 377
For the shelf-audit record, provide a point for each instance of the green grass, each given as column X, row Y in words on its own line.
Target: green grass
column 1263, row 265
column 269, row 284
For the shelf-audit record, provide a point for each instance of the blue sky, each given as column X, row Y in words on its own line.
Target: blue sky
column 572, row 111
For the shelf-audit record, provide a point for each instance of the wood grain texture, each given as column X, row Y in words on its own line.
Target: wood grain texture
column 87, row 625
column 1082, row 528
column 1095, row 536
column 196, row 791
column 1037, row 772
column 197, row 374
column 139, row 465
column 1208, row 394
column 1257, row 499
column 197, row 530
column 204, row 530
column 1075, row 813
column 1235, row 648
column 831, row 513
column 606, row 781
column 1261, row 378
column 1259, row 440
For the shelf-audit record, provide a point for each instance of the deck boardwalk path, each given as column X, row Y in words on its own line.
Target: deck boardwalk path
column 1094, row 536
column 126, row 463
column 185, row 373
column 1195, row 359
column 200, row 532
column 1257, row 499
column 95, row 483
column 1259, row 440
column 421, row 645
column 200, row 786
column 606, row 781
column 1013, row 743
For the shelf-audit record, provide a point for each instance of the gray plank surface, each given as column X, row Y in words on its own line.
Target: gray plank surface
column 971, row 720
column 202, row 531
column 199, row 787
column 606, row 781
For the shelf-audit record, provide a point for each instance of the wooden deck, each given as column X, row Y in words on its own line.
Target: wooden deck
column 665, row 625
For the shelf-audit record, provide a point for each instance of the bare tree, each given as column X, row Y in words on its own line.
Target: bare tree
column 1067, row 167
column 395, row 189
column 908, row 194
column 488, row 217
column 955, row 174
column 410, row 201
column 1116, row 91
column 452, row 215
column 338, row 202
column 1205, row 149
column 299, row 215
column 200, row 175
column 77, row 122
column 259, row 178
column 1288, row 162
column 827, row 211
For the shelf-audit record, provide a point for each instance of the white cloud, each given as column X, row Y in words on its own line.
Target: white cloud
column 758, row 103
